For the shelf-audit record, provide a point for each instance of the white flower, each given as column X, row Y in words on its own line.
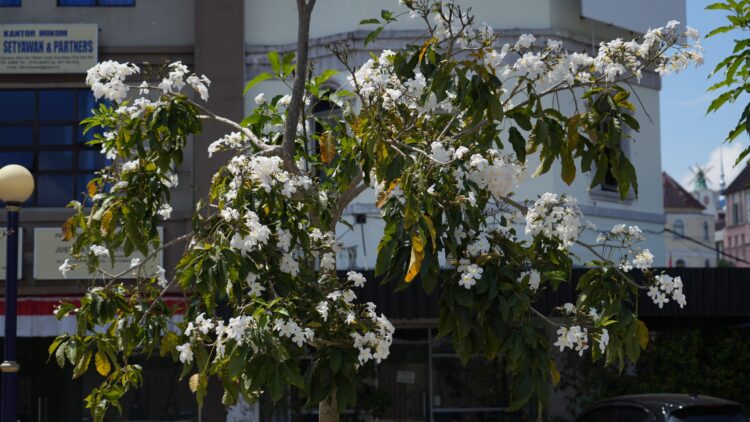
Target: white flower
column 328, row 262
column 161, row 278
column 643, row 260
column 289, row 265
column 322, row 309
column 357, row 278
column 165, row 211
column 534, row 279
column 285, row 101
column 186, row 353
column 603, row 340
column 525, row 41
column 256, row 289
column 98, row 250
column 469, row 276
column 135, row 262
column 107, row 79
column 130, row 166
column 65, row 267
column 569, row 308
column 260, row 99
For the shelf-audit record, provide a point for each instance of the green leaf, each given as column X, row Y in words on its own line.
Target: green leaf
column 373, row 35
column 369, row 21
column 518, row 143
column 273, row 59
column 256, row 80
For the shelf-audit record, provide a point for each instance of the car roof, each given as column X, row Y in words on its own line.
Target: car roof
column 657, row 403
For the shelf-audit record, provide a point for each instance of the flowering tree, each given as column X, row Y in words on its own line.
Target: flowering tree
column 733, row 70
column 442, row 130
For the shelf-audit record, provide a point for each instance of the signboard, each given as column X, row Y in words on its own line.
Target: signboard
column 635, row 15
column 50, row 251
column 48, row 48
column 4, row 252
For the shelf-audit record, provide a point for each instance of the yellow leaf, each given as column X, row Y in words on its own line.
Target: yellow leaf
column 573, row 136
column 67, row 229
column 106, row 221
column 642, row 334
column 431, row 228
column 417, row 254
column 150, row 167
column 194, row 382
column 383, row 195
column 425, row 46
column 327, row 147
column 102, row 364
column 554, row 372
column 91, row 188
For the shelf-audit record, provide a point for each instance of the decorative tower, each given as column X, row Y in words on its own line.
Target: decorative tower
column 708, row 198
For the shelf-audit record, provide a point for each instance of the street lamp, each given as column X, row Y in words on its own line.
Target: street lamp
column 16, row 186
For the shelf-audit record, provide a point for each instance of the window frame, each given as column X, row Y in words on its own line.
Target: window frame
column 36, row 148
column 681, row 232
column 96, row 3
column 19, row 3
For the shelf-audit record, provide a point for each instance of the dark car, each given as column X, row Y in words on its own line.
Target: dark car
column 663, row 408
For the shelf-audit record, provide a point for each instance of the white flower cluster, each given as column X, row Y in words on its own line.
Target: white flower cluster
column 107, row 79
column 175, row 81
column 666, row 286
column 379, row 340
column 555, row 217
column 257, row 237
column 266, row 173
column 498, row 176
column 375, row 81
column 357, row 278
column 470, row 273
column 234, row 140
column 573, row 337
column 290, row 329
column 534, row 279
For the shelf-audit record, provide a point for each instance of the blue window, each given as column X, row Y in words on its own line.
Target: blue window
column 40, row 130
column 10, row 3
column 91, row 3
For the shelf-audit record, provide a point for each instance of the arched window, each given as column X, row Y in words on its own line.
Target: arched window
column 707, row 264
column 705, row 230
column 680, row 263
column 678, row 227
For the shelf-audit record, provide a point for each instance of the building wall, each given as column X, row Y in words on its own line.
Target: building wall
column 679, row 248
column 737, row 231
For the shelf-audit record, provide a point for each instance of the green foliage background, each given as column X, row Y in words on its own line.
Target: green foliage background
column 711, row 360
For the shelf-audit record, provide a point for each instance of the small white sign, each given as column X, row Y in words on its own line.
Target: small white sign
column 50, row 251
column 406, row 377
column 4, row 252
column 48, row 48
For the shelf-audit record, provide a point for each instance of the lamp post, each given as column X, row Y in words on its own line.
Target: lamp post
column 16, row 186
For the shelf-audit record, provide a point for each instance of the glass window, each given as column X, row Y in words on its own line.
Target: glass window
column 56, row 135
column 17, row 105
column 56, row 105
column 78, row 3
column 680, row 263
column 705, row 230
column 10, row 3
column 16, row 136
column 39, row 129
column 679, row 227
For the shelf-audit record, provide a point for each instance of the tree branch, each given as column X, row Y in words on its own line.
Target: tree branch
column 304, row 12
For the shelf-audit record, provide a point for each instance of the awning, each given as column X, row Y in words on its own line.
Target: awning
column 35, row 318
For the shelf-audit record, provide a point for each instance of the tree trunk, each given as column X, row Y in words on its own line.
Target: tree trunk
column 328, row 409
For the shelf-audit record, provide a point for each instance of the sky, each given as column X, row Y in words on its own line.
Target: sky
column 690, row 137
